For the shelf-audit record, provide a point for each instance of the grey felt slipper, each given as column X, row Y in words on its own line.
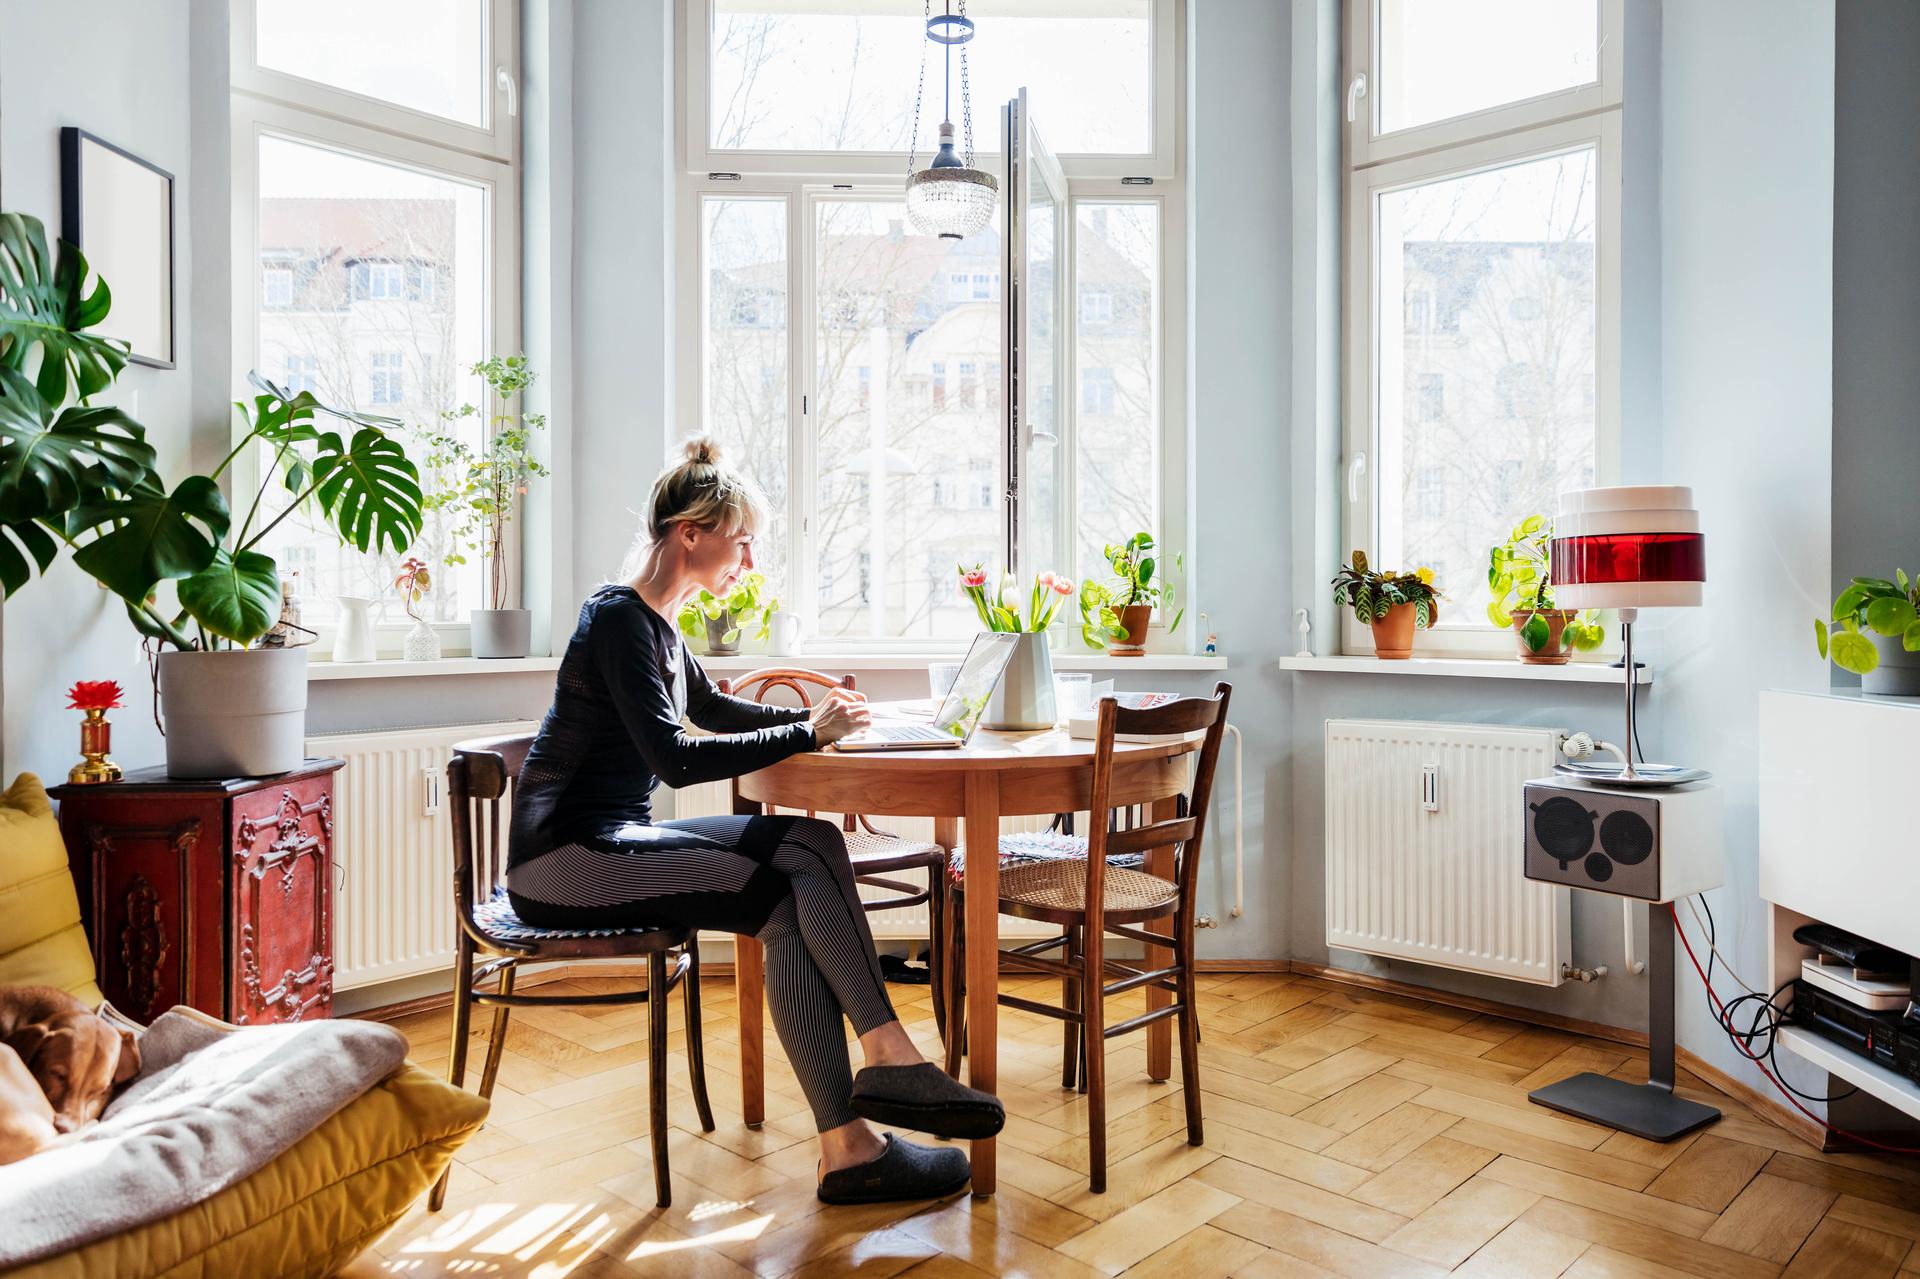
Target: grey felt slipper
column 903, row 1171
column 926, row 1099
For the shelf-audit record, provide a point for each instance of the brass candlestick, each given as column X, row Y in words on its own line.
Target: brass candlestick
column 96, row 739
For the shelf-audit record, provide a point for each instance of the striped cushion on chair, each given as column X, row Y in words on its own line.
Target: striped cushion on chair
column 496, row 918
column 1027, row 847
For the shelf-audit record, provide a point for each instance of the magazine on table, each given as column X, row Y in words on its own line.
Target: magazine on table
column 1083, row 724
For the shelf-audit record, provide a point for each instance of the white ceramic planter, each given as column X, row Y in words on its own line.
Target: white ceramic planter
column 1023, row 699
column 422, row 643
column 1898, row 674
column 502, row 632
column 234, row 712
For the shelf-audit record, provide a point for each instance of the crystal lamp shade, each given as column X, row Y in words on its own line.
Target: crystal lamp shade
column 947, row 199
column 1628, row 547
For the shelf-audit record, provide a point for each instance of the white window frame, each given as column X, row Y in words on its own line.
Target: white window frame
column 270, row 104
column 1573, row 119
column 1166, row 42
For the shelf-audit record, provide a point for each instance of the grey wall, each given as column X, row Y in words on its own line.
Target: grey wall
column 150, row 76
column 1876, row 291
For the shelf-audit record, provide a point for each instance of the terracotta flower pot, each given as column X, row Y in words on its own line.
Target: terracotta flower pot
column 1393, row 634
column 1554, row 651
column 1134, row 617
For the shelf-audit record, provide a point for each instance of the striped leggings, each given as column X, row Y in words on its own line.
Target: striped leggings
column 784, row 880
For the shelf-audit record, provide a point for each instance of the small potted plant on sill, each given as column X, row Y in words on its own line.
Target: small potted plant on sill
column 1117, row 614
column 720, row 621
column 1519, row 574
column 1023, row 699
column 1875, row 633
column 415, row 581
column 1395, row 605
column 484, row 486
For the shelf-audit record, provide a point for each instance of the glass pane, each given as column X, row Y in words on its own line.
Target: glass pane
column 1116, row 276
column 1040, row 402
column 907, row 421
column 1485, row 321
column 745, row 378
column 426, row 55
column 1438, row 61
column 839, row 75
column 374, row 297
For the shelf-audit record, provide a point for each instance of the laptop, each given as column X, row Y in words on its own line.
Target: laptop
column 961, row 711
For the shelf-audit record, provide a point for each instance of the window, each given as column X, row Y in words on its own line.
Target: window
column 884, row 441
column 1483, row 278
column 1096, row 392
column 388, row 385
column 381, row 224
column 1096, row 307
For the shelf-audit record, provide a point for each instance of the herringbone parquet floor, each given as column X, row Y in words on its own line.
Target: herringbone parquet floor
column 1348, row 1133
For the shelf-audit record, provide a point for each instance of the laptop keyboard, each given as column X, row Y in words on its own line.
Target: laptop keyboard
column 910, row 733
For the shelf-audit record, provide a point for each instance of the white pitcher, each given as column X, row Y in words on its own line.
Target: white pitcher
column 353, row 641
column 783, row 634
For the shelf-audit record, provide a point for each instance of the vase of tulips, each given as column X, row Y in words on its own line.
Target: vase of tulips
column 1023, row 700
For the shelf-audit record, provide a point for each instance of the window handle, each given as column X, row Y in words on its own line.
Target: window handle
column 503, row 80
column 1356, row 90
column 1047, row 438
column 1356, row 467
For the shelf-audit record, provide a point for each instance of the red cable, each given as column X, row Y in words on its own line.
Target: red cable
column 1681, row 933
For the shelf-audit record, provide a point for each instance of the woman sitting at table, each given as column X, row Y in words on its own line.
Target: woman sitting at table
column 584, row 851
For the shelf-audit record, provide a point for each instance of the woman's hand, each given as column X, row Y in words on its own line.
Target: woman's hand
column 839, row 714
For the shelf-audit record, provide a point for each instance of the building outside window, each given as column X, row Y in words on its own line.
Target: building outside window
column 276, row 287
column 303, row 374
column 388, row 381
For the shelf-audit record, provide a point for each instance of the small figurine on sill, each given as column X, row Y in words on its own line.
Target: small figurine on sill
column 422, row 643
column 1213, row 641
column 94, row 698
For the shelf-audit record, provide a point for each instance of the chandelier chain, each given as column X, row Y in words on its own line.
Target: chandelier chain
column 966, row 98
column 913, row 139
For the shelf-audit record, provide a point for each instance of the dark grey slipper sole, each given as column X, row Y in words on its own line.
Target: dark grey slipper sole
column 903, row 1172
column 925, row 1099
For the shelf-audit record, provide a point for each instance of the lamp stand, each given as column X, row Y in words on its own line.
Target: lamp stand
column 1650, row 1110
column 1627, row 619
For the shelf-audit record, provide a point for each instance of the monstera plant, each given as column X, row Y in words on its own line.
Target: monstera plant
column 81, row 476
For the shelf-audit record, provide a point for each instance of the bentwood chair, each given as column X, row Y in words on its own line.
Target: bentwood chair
column 1090, row 896
column 494, row 942
column 876, row 854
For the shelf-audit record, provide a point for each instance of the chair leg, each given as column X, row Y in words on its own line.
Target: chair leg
column 937, row 943
column 696, row 1046
column 1190, row 1045
column 956, row 981
column 1070, row 1000
column 457, row 1061
column 657, row 1073
column 1093, row 1004
column 497, row 1038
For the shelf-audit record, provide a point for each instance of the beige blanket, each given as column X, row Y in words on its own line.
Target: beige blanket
column 211, row 1106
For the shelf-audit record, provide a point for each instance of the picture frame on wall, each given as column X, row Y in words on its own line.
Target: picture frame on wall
column 117, row 209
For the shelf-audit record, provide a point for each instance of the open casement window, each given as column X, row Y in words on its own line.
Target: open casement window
column 375, row 263
column 811, row 87
column 1482, row 284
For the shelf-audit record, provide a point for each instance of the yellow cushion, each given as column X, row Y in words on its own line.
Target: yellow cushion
column 41, row 941
column 314, row 1208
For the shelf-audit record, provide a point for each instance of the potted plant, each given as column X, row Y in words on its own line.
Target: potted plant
column 1875, row 633
column 422, row 643
column 721, row 620
column 1393, row 604
column 83, row 476
column 1519, row 574
column 1116, row 614
column 1023, row 699
column 484, row 488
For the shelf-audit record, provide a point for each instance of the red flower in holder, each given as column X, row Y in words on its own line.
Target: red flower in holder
column 95, row 695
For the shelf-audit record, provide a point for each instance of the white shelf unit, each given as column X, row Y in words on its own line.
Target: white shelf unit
column 1822, row 755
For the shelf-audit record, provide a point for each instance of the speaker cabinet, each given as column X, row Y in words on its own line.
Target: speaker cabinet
column 1656, row 845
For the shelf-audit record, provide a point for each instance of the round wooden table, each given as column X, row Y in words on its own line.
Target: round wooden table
column 994, row 775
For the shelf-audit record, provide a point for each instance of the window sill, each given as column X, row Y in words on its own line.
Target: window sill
column 919, row 661
column 1465, row 667
column 392, row 668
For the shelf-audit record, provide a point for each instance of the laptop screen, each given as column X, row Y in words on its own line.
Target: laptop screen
column 979, row 675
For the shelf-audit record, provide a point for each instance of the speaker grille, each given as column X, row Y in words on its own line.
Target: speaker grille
column 1564, row 828
column 1626, row 837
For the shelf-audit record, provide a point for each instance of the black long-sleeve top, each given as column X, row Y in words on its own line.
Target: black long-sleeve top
column 615, row 729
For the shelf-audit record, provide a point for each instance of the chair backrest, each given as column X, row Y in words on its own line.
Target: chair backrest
column 480, row 776
column 1183, row 833
column 756, row 685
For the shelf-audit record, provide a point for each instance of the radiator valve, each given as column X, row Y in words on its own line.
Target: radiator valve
column 1205, row 921
column 1583, row 974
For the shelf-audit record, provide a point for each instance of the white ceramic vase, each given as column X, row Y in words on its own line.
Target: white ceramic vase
column 1023, row 700
column 353, row 640
column 234, row 712
column 422, row 643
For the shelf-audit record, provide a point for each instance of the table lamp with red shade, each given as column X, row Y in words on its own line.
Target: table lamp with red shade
column 1629, row 548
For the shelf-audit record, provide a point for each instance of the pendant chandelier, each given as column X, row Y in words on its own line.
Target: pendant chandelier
column 949, row 198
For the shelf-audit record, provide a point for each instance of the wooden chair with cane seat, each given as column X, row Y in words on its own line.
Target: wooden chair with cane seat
column 493, row 941
column 1090, row 898
column 876, row 854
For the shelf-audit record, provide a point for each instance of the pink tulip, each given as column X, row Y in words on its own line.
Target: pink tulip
column 1063, row 585
column 1045, row 579
column 974, row 577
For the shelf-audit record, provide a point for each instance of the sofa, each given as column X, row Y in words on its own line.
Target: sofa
column 307, row 1211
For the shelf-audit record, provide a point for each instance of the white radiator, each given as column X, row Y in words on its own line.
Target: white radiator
column 1424, row 843
column 393, row 850
column 711, row 798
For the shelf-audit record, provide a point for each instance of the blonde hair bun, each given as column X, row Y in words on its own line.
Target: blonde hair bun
column 702, row 450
